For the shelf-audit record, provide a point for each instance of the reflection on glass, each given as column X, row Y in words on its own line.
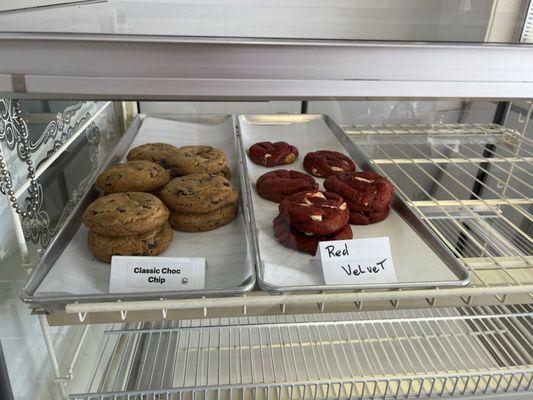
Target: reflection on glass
column 414, row 20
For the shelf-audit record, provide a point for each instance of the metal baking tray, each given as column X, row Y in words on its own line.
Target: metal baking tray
column 67, row 262
column 421, row 260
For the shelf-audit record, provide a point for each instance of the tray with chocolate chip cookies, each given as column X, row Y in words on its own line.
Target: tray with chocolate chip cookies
column 171, row 188
column 309, row 184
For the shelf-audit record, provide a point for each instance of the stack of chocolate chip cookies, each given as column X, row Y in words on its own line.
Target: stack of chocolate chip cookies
column 200, row 197
column 128, row 224
column 132, row 220
column 129, row 220
column 367, row 195
column 309, row 217
column 179, row 161
column 200, row 202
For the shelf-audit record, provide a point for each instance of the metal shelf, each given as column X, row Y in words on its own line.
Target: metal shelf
column 387, row 354
column 471, row 183
column 487, row 231
column 186, row 68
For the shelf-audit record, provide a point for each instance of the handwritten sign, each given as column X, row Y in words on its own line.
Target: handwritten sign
column 131, row 274
column 357, row 261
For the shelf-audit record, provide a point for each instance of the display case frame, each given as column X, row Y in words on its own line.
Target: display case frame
column 210, row 68
column 113, row 67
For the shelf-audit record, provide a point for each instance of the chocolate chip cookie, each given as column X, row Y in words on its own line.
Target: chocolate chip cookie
column 271, row 154
column 147, row 244
column 155, row 152
column 226, row 173
column 203, row 222
column 133, row 176
column 278, row 184
column 292, row 238
column 315, row 212
column 198, row 160
column 324, row 163
column 125, row 214
column 198, row 193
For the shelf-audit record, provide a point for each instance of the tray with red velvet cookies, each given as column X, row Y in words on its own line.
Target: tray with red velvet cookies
column 306, row 187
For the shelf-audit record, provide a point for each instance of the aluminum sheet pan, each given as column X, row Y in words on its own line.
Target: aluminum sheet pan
column 67, row 272
column 420, row 259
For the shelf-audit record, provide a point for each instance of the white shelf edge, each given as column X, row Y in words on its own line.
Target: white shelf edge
column 190, row 68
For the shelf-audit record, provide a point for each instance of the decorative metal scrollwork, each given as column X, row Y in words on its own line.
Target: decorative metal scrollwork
column 65, row 135
column 36, row 223
column 37, row 226
column 12, row 130
column 14, row 119
column 58, row 126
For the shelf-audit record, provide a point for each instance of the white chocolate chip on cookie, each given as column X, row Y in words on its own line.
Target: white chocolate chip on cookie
column 364, row 180
column 316, row 217
column 318, row 194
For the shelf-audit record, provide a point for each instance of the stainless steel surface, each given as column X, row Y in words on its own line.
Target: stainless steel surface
column 114, row 67
column 67, row 257
column 471, row 183
column 447, row 352
column 419, row 257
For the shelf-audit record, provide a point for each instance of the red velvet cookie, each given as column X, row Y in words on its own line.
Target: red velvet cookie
column 278, row 184
column 325, row 163
column 271, row 154
column 365, row 218
column 365, row 191
column 315, row 212
column 293, row 239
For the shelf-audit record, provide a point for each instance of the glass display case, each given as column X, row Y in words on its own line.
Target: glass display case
column 435, row 96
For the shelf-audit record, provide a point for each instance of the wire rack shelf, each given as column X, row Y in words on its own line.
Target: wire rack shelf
column 367, row 355
column 471, row 183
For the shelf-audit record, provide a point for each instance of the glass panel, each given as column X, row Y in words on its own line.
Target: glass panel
column 406, row 20
column 91, row 128
column 527, row 32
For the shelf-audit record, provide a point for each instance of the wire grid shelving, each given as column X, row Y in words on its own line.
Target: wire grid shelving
column 471, row 183
column 367, row 355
